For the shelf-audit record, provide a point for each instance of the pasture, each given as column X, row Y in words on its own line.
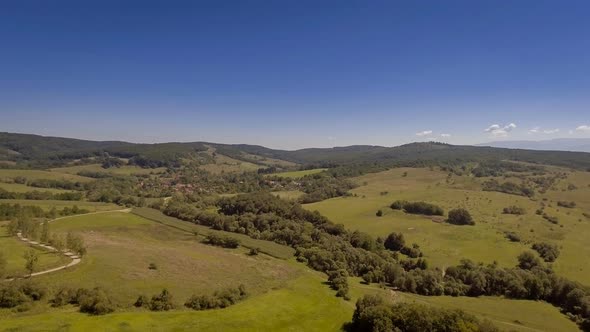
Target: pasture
column 13, row 250
column 23, row 188
column 49, row 204
column 444, row 244
column 37, row 175
column 121, row 246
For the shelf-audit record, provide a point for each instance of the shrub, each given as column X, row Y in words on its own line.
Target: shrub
column 549, row 252
column 460, row 217
column 379, row 213
column 513, row 237
column 423, row 208
column 153, row 266
column 222, row 241
column 394, row 241
column 253, row 251
column 513, row 209
column 162, row 301
column 142, row 302
column 398, row 205
column 96, row 302
column 527, row 260
column 565, row 204
column 219, row 299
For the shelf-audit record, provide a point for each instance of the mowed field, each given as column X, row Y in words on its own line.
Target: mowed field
column 13, row 250
column 444, row 244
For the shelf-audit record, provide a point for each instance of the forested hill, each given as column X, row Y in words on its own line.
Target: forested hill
column 40, row 151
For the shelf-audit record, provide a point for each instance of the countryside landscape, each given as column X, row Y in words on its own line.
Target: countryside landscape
column 313, row 166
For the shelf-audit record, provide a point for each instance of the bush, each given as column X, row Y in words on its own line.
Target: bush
column 513, row 237
column 222, row 241
column 379, row 213
column 398, row 205
column 153, row 266
column 513, row 209
column 142, row 302
column 394, row 241
column 96, row 302
column 219, row 299
column 549, row 252
column 162, row 301
column 565, row 204
column 253, row 251
column 460, row 217
column 17, row 293
column 423, row 208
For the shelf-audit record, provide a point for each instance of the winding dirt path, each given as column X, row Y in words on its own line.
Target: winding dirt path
column 75, row 258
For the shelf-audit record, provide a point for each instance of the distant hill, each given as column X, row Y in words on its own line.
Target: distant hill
column 558, row 144
column 42, row 152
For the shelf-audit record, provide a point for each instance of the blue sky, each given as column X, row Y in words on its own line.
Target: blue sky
column 293, row 74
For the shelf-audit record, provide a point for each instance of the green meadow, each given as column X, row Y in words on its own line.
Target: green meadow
column 444, row 244
column 38, row 174
column 123, row 170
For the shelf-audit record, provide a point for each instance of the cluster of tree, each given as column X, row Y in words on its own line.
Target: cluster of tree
column 513, row 209
column 548, row 251
column 92, row 301
column 94, row 174
column 374, row 313
column 508, row 188
column 55, row 184
column 320, row 186
column 396, row 242
column 460, row 216
column 20, row 293
column 418, row 208
column 219, row 299
column 222, row 241
column 499, row 168
column 338, row 280
column 112, row 162
column 159, row 302
column 16, row 211
column 41, row 195
column 566, row 204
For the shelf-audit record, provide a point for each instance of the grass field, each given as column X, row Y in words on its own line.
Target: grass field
column 13, row 250
column 299, row 174
column 121, row 246
column 48, row 204
column 267, row 247
column 123, row 170
column 302, row 304
column 445, row 244
column 36, row 174
column 225, row 164
column 22, row 188
column 288, row 194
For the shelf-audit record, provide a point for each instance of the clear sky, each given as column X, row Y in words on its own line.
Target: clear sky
column 293, row 74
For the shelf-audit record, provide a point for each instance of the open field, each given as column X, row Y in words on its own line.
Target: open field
column 299, row 174
column 22, row 188
column 123, row 170
column 288, row 194
column 444, row 244
column 225, row 164
column 301, row 304
column 36, row 174
column 121, row 246
column 267, row 247
column 13, row 250
column 49, row 204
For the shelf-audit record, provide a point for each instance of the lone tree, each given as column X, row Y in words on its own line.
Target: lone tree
column 45, row 232
column 31, row 259
column 395, row 242
column 379, row 213
column 460, row 217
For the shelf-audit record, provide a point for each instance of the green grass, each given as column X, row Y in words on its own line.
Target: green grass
column 22, row 188
column 123, row 170
column 121, row 246
column 225, row 164
column 13, row 250
column 511, row 315
column 267, row 247
column 445, row 244
column 48, row 204
column 36, row 174
column 299, row 174
column 288, row 194
column 302, row 304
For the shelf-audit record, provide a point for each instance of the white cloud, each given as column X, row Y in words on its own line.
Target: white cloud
column 445, row 135
column 424, row 133
column 534, row 130
column 584, row 128
column 551, row 131
column 498, row 131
